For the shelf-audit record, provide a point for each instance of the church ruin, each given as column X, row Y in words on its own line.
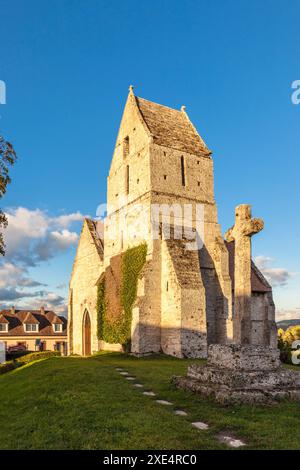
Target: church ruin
column 143, row 290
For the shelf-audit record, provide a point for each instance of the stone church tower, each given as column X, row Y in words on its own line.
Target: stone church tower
column 184, row 299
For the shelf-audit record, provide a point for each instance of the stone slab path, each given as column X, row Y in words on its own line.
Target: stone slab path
column 225, row 438
column 164, row 402
column 200, row 425
column 180, row 413
column 230, row 440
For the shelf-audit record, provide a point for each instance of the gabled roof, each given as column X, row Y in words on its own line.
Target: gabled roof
column 171, row 128
column 29, row 318
column 258, row 281
column 3, row 319
column 53, row 318
column 45, row 320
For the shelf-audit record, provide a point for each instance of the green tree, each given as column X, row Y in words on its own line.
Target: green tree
column 7, row 159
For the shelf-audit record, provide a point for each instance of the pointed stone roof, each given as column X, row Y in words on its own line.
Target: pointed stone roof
column 96, row 230
column 171, row 128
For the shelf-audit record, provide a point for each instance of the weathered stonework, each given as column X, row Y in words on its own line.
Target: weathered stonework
column 184, row 298
column 244, row 372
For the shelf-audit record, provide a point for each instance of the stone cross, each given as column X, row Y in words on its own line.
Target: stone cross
column 241, row 234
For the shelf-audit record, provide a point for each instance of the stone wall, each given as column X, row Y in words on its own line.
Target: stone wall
column 87, row 269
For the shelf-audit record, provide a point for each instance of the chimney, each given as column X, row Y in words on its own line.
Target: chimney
column 12, row 310
column 42, row 310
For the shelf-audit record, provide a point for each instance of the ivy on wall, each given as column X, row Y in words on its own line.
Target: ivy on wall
column 119, row 329
column 101, row 308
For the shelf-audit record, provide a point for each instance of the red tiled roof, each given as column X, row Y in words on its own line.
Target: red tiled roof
column 3, row 319
column 30, row 319
column 258, row 281
column 45, row 320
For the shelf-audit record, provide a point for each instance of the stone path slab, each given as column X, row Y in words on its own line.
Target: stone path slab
column 130, row 378
column 119, row 369
column 230, row 440
column 200, row 425
column 180, row 413
column 164, row 402
column 124, row 373
column 149, row 394
column 138, row 385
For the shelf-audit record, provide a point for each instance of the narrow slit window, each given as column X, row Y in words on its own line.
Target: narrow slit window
column 182, row 171
column 126, row 147
column 127, row 179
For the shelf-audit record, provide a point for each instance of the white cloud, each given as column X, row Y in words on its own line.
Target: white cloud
column 13, row 276
column 276, row 276
column 50, row 300
column 33, row 236
column 282, row 314
column 65, row 220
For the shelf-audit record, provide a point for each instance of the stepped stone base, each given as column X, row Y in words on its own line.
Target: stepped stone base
column 242, row 374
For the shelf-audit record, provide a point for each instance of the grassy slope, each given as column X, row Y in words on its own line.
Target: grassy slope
column 77, row 403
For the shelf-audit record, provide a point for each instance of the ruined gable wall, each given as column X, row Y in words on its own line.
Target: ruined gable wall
column 86, row 271
column 263, row 326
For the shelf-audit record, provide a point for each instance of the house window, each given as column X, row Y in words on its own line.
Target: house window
column 182, row 171
column 31, row 327
column 57, row 327
column 127, row 179
column 3, row 327
column 126, row 147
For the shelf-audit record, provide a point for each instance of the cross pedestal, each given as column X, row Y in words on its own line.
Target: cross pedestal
column 242, row 372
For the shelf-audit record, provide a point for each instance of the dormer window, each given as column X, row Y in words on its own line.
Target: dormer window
column 31, row 327
column 3, row 327
column 57, row 328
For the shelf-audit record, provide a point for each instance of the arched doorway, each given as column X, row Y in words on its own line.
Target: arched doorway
column 86, row 334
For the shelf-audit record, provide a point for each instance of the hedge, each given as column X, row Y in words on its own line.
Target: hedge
column 7, row 367
column 36, row 356
column 21, row 361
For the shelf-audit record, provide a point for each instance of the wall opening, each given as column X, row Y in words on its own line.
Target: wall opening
column 182, row 171
column 86, row 334
column 127, row 179
column 126, row 147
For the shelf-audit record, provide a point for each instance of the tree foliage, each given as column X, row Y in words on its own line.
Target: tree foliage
column 285, row 341
column 7, row 159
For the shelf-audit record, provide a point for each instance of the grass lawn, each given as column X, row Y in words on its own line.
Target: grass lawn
column 78, row 403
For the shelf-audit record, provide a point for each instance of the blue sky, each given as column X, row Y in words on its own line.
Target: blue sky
column 67, row 66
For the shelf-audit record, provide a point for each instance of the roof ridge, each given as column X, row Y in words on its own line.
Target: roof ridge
column 159, row 104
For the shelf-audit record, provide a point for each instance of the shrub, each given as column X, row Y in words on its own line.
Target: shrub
column 7, row 367
column 285, row 341
column 36, row 356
